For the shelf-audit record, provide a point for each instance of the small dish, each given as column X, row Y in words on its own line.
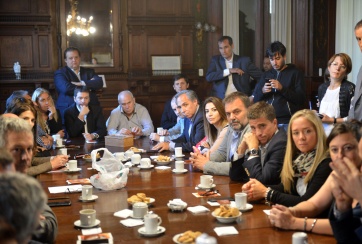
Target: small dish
column 175, row 238
column 226, row 220
column 160, row 230
column 92, row 199
column 139, row 166
column 87, row 158
column 78, row 224
column 179, row 172
column 72, row 171
column 152, row 200
column 176, row 208
column 162, row 162
column 206, row 188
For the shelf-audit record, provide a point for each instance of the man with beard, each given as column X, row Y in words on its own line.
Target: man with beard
column 219, row 162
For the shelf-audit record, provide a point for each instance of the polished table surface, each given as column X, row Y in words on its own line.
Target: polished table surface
column 163, row 185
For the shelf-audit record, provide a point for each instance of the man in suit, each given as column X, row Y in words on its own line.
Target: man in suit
column 219, row 161
column 84, row 119
column 230, row 72
column 193, row 131
column 68, row 78
column 262, row 150
column 356, row 107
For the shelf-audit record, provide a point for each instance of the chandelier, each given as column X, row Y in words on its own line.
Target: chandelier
column 76, row 24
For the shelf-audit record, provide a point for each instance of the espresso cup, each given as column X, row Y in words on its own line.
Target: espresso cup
column 87, row 217
column 72, row 165
column 178, row 151
column 140, row 209
column 145, row 163
column 120, row 156
column 62, row 151
column 59, row 142
column 160, row 131
column 128, row 153
column 299, row 238
column 87, row 192
column 206, row 181
column 135, row 158
column 240, row 200
column 179, row 166
column 152, row 221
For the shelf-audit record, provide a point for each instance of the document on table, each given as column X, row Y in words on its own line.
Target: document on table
column 65, row 189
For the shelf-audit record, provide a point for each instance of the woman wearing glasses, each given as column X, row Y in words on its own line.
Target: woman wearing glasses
column 336, row 93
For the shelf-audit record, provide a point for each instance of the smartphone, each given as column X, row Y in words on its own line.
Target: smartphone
column 267, row 80
column 57, row 202
column 320, row 115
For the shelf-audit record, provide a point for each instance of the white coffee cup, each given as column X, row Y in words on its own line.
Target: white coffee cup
column 145, row 163
column 119, row 156
column 87, row 217
column 62, row 151
column 179, row 166
column 152, row 221
column 55, row 137
column 87, row 192
column 240, row 200
column 72, row 165
column 128, row 153
column 300, row 238
column 140, row 209
column 135, row 158
column 178, row 151
column 59, row 142
column 159, row 131
column 206, row 181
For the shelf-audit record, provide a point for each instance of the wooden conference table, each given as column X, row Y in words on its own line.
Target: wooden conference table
column 163, row 185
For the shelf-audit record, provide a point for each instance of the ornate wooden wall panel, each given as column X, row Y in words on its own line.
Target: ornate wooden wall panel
column 16, row 48
column 15, row 6
column 43, row 47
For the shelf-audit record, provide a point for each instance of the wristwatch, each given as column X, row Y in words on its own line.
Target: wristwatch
column 95, row 136
column 253, row 152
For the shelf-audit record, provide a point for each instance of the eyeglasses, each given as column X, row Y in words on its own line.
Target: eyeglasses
column 334, row 64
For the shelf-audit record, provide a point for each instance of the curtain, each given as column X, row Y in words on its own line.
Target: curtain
column 231, row 21
column 280, row 23
column 348, row 14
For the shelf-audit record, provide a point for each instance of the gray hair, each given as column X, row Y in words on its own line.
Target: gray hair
column 8, row 124
column 122, row 93
column 191, row 95
column 22, row 200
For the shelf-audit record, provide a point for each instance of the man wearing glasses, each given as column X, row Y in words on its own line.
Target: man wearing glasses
column 129, row 118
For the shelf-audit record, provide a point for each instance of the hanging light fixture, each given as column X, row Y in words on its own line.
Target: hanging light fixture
column 76, row 24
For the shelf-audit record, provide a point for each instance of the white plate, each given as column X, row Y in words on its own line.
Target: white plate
column 175, row 238
column 93, row 198
column 179, row 172
column 139, row 166
column 160, row 230
column 152, row 200
column 201, row 187
column 78, row 224
column 72, row 171
column 226, row 220
column 247, row 208
column 181, row 156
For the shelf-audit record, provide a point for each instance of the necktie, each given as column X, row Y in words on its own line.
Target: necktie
column 85, row 124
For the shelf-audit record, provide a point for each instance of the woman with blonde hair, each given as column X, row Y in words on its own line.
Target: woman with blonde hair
column 49, row 119
column 215, row 124
column 305, row 166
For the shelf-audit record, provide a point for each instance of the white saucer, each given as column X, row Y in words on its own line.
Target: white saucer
column 160, row 230
column 72, row 171
column 78, row 224
column 181, row 156
column 247, row 208
column 201, row 187
column 139, row 166
column 179, row 172
column 92, row 199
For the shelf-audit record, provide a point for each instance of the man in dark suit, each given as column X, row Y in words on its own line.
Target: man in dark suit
column 68, row 78
column 84, row 119
column 230, row 72
column 262, row 150
column 194, row 123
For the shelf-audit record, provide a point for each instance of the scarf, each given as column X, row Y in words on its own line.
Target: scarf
column 303, row 163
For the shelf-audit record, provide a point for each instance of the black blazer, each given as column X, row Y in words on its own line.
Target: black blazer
column 95, row 121
column 197, row 134
column 269, row 173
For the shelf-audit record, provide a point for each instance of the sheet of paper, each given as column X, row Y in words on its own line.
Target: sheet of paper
column 65, row 189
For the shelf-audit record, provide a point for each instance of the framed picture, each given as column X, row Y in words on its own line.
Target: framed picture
column 166, row 64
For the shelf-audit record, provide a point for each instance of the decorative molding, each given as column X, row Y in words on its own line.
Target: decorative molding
column 161, row 20
column 24, row 19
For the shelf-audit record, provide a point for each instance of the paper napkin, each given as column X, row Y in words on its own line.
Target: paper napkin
column 198, row 209
column 131, row 222
column 92, row 231
column 125, row 213
column 214, row 204
column 267, row 211
column 225, row 231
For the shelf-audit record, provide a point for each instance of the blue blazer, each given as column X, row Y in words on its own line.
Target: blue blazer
column 242, row 83
column 187, row 141
column 63, row 78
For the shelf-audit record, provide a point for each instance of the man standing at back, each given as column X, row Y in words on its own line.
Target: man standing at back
column 230, row 72
column 71, row 76
column 356, row 108
column 283, row 86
